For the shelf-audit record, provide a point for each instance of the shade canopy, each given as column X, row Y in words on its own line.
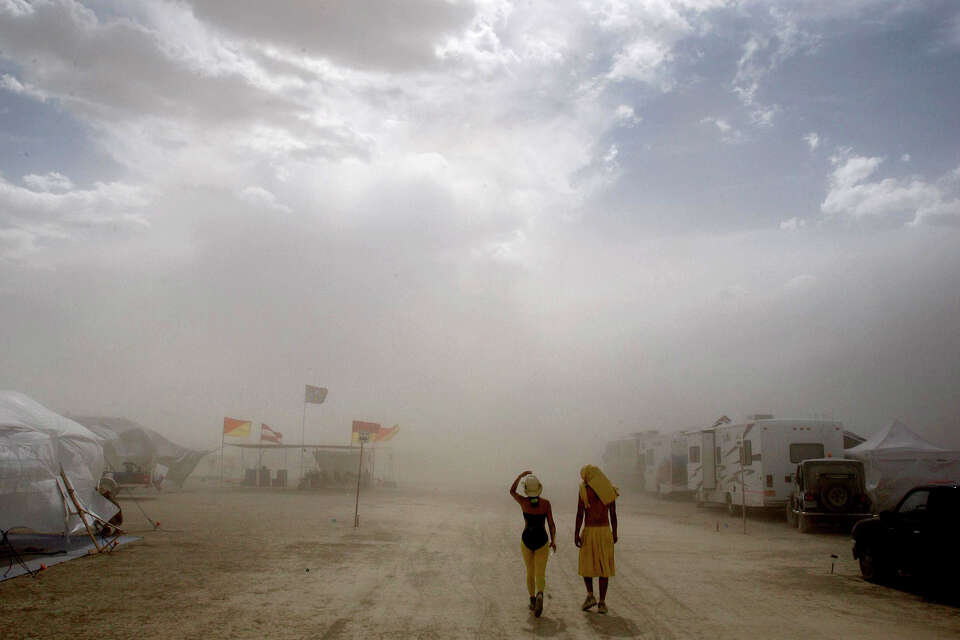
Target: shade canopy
column 896, row 459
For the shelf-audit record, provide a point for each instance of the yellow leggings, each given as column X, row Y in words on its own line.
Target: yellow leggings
column 536, row 562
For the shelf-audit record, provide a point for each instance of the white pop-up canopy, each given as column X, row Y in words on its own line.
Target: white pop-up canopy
column 35, row 443
column 896, row 459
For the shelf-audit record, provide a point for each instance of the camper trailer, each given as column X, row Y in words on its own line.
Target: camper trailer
column 665, row 464
column 752, row 463
column 623, row 459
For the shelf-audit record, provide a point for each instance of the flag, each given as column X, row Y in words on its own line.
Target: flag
column 236, row 428
column 360, row 426
column 385, row 434
column 315, row 395
column 269, row 435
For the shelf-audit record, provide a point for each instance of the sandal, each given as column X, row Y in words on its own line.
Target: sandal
column 589, row 602
column 602, row 607
column 538, row 607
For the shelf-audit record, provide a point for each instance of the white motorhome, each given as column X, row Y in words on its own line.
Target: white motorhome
column 665, row 464
column 752, row 463
column 623, row 460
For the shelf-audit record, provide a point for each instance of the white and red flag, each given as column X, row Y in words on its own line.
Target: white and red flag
column 269, row 435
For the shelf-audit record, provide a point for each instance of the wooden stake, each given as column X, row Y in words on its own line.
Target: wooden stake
column 80, row 510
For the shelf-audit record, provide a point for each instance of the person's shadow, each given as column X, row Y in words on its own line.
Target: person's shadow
column 545, row 627
column 613, row 626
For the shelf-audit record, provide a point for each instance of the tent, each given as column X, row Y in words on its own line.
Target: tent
column 896, row 459
column 127, row 441
column 35, row 444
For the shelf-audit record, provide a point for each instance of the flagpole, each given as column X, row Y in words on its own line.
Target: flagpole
column 260, row 454
column 303, row 433
column 356, row 507
column 221, row 457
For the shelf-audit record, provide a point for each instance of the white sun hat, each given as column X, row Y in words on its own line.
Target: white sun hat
column 532, row 486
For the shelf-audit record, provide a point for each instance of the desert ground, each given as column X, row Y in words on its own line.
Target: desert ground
column 235, row 563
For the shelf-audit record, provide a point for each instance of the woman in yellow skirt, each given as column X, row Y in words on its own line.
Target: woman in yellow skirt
column 533, row 540
column 597, row 511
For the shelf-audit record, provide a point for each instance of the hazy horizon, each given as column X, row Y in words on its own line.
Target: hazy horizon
column 513, row 229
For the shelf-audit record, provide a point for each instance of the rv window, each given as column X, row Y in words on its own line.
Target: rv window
column 800, row 451
column 746, row 452
column 718, row 456
column 694, row 454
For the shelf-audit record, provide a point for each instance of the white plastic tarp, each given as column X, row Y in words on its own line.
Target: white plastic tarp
column 35, row 443
column 896, row 460
column 127, row 441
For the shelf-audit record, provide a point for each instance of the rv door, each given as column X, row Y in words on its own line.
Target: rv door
column 709, row 460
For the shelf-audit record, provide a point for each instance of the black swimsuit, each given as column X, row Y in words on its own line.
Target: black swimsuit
column 535, row 533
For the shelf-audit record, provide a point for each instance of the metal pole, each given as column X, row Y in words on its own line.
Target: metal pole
column 221, row 458
column 303, row 432
column 356, row 507
column 743, row 485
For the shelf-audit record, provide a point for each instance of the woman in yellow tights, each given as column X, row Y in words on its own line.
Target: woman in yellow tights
column 533, row 542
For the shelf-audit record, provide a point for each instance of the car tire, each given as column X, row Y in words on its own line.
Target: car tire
column 804, row 524
column 791, row 516
column 837, row 497
column 872, row 568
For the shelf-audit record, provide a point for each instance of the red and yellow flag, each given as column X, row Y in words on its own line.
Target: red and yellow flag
column 236, row 428
column 385, row 434
column 359, row 426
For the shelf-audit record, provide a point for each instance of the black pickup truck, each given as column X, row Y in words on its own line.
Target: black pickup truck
column 917, row 537
column 828, row 490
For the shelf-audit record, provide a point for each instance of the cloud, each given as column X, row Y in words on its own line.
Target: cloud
column 52, row 181
column 10, row 83
column 762, row 53
column 800, row 283
column 261, row 198
column 646, row 35
column 727, row 132
column 813, row 140
column 627, row 116
column 366, row 34
column 906, row 200
column 793, row 224
column 51, row 208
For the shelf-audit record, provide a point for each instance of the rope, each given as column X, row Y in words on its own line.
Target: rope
column 16, row 556
column 153, row 523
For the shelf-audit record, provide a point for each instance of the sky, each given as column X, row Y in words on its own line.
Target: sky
column 511, row 227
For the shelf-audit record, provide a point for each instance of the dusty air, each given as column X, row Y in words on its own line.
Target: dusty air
column 479, row 319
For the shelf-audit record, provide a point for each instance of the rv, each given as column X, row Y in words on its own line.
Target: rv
column 623, row 459
column 665, row 464
column 752, row 464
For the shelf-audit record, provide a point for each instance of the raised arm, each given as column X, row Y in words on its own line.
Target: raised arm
column 513, row 487
column 552, row 526
column 613, row 520
column 576, row 527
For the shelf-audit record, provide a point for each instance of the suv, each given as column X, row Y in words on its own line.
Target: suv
column 828, row 489
column 918, row 536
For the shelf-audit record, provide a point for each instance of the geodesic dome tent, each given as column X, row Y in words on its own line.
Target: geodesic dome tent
column 896, row 459
column 35, row 444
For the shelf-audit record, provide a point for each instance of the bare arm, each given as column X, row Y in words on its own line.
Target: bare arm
column 513, row 487
column 576, row 528
column 552, row 526
column 613, row 520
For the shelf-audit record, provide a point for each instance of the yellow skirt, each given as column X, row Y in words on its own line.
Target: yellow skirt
column 596, row 554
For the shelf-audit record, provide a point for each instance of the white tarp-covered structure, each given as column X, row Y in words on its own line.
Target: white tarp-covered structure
column 896, row 459
column 126, row 441
column 35, row 443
